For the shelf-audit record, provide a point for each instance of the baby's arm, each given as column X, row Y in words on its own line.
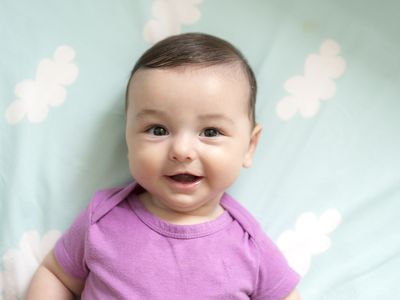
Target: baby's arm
column 294, row 295
column 51, row 282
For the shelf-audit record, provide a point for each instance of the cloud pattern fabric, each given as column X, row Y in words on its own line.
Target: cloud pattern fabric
column 309, row 238
column 316, row 85
column 20, row 263
column 168, row 18
column 36, row 96
column 325, row 181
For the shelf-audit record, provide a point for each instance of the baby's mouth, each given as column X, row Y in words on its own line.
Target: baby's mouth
column 185, row 178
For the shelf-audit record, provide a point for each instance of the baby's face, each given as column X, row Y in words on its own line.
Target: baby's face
column 189, row 133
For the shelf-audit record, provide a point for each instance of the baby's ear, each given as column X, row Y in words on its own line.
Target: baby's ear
column 254, row 138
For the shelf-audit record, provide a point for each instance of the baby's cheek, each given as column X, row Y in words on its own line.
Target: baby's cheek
column 144, row 162
column 224, row 168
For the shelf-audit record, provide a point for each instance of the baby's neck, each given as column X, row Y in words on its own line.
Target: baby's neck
column 201, row 215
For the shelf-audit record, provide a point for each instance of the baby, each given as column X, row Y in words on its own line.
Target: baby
column 174, row 233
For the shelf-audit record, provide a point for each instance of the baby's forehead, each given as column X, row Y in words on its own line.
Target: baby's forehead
column 232, row 72
column 218, row 81
column 190, row 79
column 230, row 69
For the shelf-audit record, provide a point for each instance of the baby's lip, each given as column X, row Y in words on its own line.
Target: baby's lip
column 184, row 177
column 183, row 173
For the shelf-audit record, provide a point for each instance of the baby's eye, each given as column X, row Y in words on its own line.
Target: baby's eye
column 210, row 132
column 157, row 130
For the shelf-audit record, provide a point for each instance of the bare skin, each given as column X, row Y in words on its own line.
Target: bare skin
column 51, row 282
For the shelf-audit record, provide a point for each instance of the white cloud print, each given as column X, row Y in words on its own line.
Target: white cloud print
column 35, row 96
column 309, row 237
column 306, row 92
column 168, row 16
column 20, row 264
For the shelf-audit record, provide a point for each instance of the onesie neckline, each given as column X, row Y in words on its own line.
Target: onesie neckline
column 178, row 231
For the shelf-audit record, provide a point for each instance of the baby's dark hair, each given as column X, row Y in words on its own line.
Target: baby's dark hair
column 200, row 49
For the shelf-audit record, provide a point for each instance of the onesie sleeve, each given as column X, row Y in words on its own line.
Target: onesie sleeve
column 70, row 248
column 276, row 279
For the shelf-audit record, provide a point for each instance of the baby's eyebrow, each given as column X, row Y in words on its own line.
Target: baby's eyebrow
column 215, row 117
column 149, row 112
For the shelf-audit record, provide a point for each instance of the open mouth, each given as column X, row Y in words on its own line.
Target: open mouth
column 185, row 178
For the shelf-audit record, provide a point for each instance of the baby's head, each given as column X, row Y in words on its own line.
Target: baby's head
column 197, row 50
column 190, row 120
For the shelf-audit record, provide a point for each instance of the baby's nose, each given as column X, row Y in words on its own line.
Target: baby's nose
column 182, row 149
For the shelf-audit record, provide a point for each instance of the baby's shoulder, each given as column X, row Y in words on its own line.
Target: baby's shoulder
column 105, row 200
column 263, row 247
column 244, row 218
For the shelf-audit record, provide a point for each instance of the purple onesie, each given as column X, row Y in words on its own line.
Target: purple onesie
column 122, row 251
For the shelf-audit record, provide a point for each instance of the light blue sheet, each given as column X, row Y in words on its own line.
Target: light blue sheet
column 325, row 183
